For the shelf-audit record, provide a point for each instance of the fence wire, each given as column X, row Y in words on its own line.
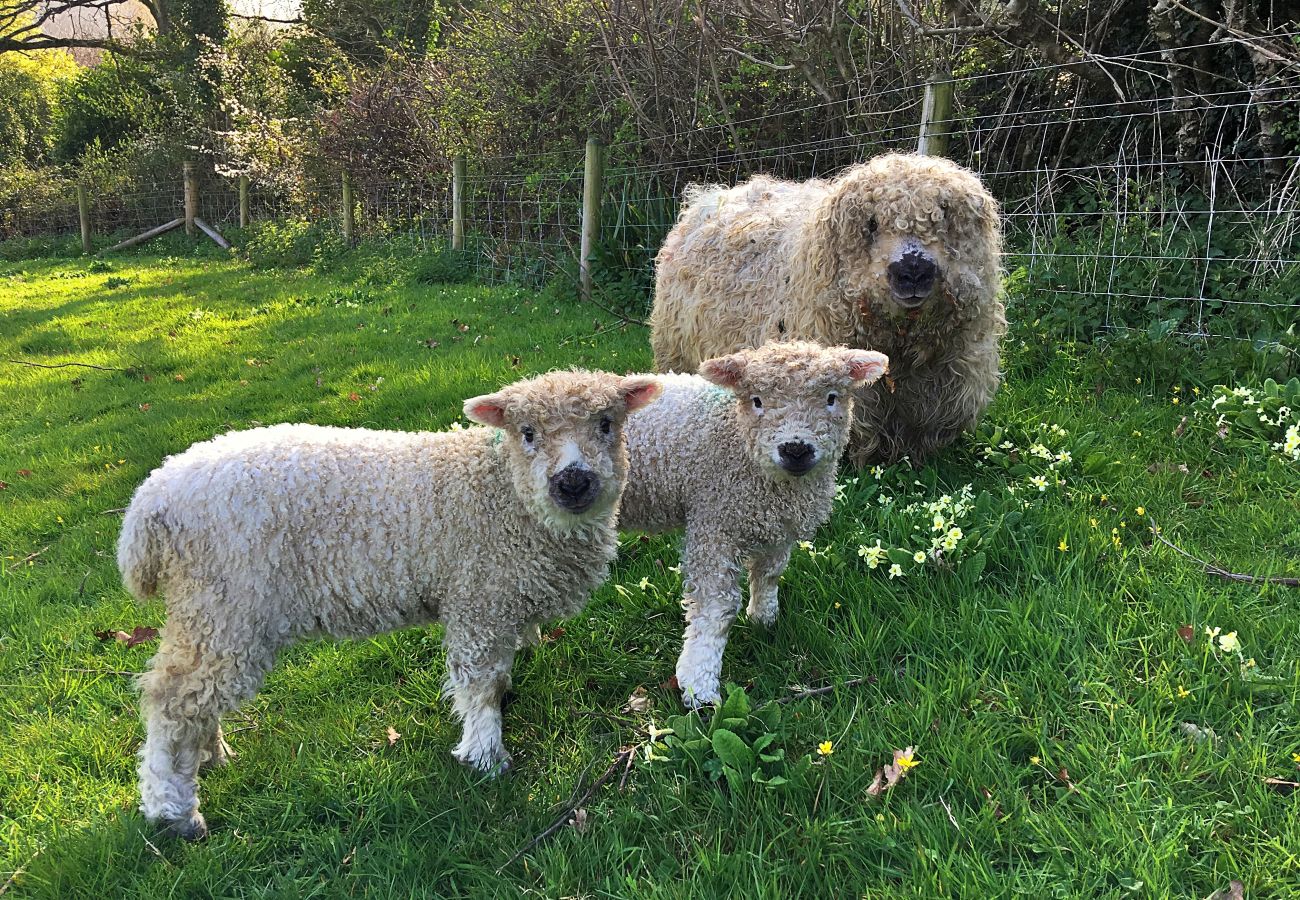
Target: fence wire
column 1105, row 216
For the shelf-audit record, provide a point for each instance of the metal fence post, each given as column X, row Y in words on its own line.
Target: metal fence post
column 83, row 212
column 458, row 203
column 936, row 115
column 591, row 196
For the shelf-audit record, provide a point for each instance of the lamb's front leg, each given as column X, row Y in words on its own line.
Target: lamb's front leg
column 478, row 673
column 764, row 579
column 712, row 601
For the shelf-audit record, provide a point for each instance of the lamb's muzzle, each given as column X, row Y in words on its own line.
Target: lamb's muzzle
column 797, row 457
column 575, row 488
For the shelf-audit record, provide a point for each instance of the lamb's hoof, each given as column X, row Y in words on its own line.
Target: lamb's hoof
column 763, row 617
column 192, row 829
column 694, row 697
column 220, row 755
column 491, row 762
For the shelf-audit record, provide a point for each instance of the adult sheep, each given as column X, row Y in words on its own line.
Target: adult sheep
column 899, row 254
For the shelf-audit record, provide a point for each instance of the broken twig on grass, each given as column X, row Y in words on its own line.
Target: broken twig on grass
column 622, row 758
column 805, row 693
column 1219, row 572
column 36, row 365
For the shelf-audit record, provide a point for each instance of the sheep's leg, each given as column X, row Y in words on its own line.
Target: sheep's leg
column 712, row 601
column 184, row 694
column 764, row 579
column 218, row 751
column 478, row 673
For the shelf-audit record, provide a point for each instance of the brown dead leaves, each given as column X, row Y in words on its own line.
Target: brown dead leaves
column 892, row 774
column 639, row 702
column 141, row 634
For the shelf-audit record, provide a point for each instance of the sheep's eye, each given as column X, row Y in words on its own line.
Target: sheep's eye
column 758, row 403
column 831, row 398
column 605, row 424
column 872, row 225
column 528, row 433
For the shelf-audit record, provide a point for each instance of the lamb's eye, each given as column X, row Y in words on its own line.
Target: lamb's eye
column 831, row 399
column 872, row 225
column 606, row 423
column 758, row 403
column 528, row 433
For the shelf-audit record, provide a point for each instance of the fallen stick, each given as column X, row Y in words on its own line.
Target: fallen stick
column 151, row 233
column 622, row 758
column 1218, row 571
column 816, row 692
column 36, row 365
column 212, row 233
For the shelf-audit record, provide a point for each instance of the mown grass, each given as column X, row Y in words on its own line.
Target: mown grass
column 1045, row 697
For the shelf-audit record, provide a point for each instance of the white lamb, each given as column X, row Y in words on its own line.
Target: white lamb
column 261, row 538
column 744, row 458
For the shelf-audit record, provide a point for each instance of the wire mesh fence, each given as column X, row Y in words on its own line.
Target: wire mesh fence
column 1108, row 216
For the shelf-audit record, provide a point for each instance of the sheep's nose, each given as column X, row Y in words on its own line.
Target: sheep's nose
column 797, row 457
column 574, row 488
column 912, row 276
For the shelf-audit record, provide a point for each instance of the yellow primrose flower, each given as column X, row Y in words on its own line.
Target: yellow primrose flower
column 1177, row 388
column 1212, row 633
column 918, row 557
column 1092, row 522
column 1175, row 401
column 825, row 748
column 907, row 762
column 1196, row 391
column 806, row 545
column 895, row 570
column 1228, row 643
column 1141, row 510
column 1249, row 664
column 1183, row 693
column 1034, row 761
column 644, row 584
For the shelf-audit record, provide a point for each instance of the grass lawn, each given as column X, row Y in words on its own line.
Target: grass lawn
column 1075, row 737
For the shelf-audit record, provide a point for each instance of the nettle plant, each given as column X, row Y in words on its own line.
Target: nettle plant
column 1268, row 415
column 910, row 526
column 736, row 744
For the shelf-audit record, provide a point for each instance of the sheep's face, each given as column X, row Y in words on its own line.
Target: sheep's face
column 562, row 437
column 897, row 222
column 795, row 401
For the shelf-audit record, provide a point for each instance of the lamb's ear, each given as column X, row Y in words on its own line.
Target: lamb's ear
column 725, row 371
column 638, row 390
column 865, row 366
column 490, row 409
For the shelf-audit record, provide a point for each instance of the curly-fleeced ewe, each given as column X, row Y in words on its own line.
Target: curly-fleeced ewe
column 900, row 254
column 744, row 458
column 261, row 538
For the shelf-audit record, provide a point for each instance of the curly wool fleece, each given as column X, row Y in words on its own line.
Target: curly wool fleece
column 261, row 538
column 771, row 259
column 707, row 457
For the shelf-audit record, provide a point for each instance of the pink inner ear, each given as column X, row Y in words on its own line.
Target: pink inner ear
column 867, row 366
column 639, row 396
column 487, row 413
column 724, row 371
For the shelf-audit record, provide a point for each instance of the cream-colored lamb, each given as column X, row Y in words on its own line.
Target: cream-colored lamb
column 261, row 538
column 743, row 456
column 900, row 254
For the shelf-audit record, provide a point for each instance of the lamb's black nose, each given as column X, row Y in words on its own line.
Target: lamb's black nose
column 912, row 276
column 574, row 488
column 797, row 457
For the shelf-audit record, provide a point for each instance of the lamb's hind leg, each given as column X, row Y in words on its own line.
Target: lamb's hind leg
column 764, row 580
column 184, row 694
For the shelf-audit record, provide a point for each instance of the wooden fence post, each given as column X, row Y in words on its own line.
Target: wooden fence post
column 243, row 201
column 83, row 212
column 191, row 196
column 458, row 203
column 936, row 115
column 349, row 220
column 591, row 197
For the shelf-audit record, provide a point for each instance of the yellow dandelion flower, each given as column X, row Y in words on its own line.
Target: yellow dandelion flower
column 907, row 762
column 1295, row 758
column 1063, row 546
column 1183, row 693
column 1092, row 522
column 1141, row 510
column 1034, row 761
column 825, row 748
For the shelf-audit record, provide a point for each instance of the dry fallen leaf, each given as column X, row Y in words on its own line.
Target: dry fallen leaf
column 142, row 634
column 144, row 407
column 997, row 807
column 24, row 473
column 354, row 396
column 1197, row 733
column 553, row 635
column 393, row 735
column 1281, row 785
column 1182, row 426
column 4, row 485
column 579, row 820
column 639, row 702
column 671, row 684
column 1234, row 891
column 347, row 860
column 893, row 773
column 1186, row 632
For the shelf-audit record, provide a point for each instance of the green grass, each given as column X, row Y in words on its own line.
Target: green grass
column 1050, row 659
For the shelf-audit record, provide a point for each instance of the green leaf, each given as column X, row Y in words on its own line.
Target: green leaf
column 735, row 780
column 732, row 750
column 973, row 568
column 761, row 742
column 736, row 706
